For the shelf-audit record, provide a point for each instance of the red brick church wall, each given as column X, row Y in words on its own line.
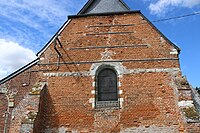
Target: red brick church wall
column 147, row 66
column 21, row 85
column 148, row 96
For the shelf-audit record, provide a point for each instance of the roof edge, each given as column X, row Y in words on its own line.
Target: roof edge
column 19, row 71
column 85, row 7
column 88, row 4
column 175, row 46
column 125, row 4
column 53, row 37
column 103, row 14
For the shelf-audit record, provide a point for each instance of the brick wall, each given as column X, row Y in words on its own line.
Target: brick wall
column 22, row 85
column 3, row 108
column 146, row 66
column 193, row 127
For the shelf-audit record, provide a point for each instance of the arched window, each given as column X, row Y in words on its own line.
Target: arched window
column 107, row 89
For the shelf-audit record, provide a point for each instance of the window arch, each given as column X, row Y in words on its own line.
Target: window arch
column 106, row 85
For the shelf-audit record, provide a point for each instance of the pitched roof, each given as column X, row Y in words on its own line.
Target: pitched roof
column 103, row 6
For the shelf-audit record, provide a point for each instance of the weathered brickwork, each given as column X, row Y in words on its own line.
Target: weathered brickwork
column 193, row 127
column 3, row 108
column 20, row 86
column 147, row 98
column 147, row 67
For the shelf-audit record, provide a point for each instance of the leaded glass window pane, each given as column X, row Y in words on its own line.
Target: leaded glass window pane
column 107, row 85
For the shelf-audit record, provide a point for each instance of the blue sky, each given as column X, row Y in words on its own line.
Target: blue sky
column 26, row 26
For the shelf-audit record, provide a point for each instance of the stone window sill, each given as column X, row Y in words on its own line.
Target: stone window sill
column 107, row 104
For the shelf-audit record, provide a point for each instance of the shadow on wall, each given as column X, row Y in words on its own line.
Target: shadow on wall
column 46, row 114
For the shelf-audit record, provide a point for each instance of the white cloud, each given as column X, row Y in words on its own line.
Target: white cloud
column 191, row 3
column 13, row 56
column 162, row 6
column 3, row 73
column 32, row 23
column 30, row 12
